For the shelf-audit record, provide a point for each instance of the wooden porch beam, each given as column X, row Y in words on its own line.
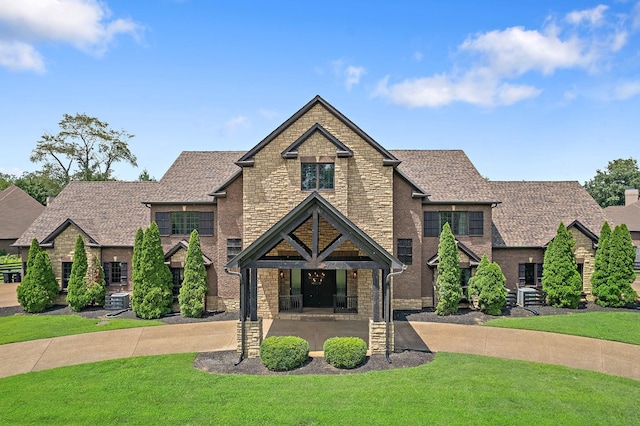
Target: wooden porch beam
column 334, row 245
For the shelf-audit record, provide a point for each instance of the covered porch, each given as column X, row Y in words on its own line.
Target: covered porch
column 314, row 262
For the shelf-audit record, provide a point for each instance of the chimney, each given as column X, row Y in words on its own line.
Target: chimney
column 631, row 195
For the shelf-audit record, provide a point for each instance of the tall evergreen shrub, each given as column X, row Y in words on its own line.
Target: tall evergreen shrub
column 488, row 285
column 561, row 280
column 617, row 291
column 601, row 264
column 448, row 281
column 77, row 287
column 96, row 286
column 194, row 284
column 39, row 287
column 152, row 295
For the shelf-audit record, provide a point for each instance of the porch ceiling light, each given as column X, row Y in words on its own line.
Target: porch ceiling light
column 315, row 277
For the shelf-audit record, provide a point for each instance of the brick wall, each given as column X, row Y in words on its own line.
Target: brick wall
column 509, row 258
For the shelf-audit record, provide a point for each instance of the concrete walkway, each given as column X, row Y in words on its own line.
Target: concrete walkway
column 16, row 358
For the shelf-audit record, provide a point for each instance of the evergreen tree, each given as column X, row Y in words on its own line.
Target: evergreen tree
column 39, row 287
column 194, row 285
column 97, row 286
column 137, row 252
column 617, row 290
column 561, row 280
column 34, row 249
column 488, row 284
column 448, row 281
column 152, row 295
column 77, row 287
column 601, row 262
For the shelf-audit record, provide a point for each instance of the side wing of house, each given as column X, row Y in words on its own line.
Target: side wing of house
column 17, row 211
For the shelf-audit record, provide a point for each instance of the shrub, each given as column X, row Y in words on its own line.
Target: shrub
column 96, row 288
column 616, row 291
column 39, row 287
column 283, row 353
column 448, row 281
column 77, row 287
column 194, row 285
column 345, row 352
column 489, row 286
column 560, row 277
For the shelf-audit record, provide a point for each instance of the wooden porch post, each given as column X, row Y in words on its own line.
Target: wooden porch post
column 375, row 293
column 253, row 294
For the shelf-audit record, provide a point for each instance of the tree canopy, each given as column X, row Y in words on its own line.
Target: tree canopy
column 86, row 148
column 607, row 187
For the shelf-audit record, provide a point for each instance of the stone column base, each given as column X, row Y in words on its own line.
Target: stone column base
column 378, row 337
column 252, row 338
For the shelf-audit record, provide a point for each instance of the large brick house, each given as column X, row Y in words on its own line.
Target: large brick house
column 318, row 215
column 17, row 210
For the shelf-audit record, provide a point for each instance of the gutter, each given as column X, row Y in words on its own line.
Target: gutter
column 242, row 315
column 387, row 318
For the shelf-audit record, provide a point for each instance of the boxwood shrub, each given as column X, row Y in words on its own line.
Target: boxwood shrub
column 345, row 352
column 283, row 353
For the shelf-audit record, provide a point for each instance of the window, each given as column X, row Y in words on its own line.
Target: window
column 461, row 223
column 234, row 246
column 115, row 273
column 66, row 274
column 178, row 277
column 530, row 273
column 405, row 250
column 465, row 275
column 317, row 176
column 182, row 223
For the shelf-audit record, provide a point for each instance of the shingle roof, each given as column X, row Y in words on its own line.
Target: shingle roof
column 530, row 212
column 195, row 174
column 446, row 175
column 109, row 212
column 629, row 215
column 17, row 211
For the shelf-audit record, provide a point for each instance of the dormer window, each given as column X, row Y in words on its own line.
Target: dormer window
column 317, row 176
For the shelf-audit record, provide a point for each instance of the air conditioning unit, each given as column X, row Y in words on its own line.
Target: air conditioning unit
column 116, row 301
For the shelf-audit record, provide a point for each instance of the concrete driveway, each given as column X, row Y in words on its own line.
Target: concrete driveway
column 8, row 295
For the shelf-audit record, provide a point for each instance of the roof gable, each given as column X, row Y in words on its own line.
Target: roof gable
column 247, row 159
column 341, row 149
column 629, row 215
column 312, row 207
column 49, row 239
column 183, row 245
column 474, row 259
column 17, row 211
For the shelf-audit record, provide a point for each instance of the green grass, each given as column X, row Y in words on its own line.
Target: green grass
column 454, row 389
column 617, row 326
column 19, row 328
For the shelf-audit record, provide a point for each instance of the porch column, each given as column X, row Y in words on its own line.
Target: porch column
column 375, row 293
column 253, row 295
column 386, row 295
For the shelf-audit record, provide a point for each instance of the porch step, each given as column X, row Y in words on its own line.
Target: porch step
column 319, row 317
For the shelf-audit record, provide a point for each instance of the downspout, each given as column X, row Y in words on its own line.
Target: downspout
column 387, row 282
column 242, row 313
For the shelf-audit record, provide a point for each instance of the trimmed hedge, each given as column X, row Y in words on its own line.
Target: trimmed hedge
column 345, row 352
column 283, row 353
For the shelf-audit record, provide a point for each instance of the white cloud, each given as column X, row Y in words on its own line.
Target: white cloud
column 593, row 16
column 232, row 125
column 494, row 61
column 627, row 90
column 351, row 74
column 84, row 24
column 18, row 56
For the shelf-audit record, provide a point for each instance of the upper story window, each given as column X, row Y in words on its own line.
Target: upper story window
column 405, row 250
column 182, row 223
column 461, row 223
column 317, row 176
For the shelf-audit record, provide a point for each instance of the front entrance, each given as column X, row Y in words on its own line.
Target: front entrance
column 318, row 288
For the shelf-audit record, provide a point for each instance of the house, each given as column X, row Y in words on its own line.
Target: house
column 629, row 214
column 17, row 210
column 319, row 216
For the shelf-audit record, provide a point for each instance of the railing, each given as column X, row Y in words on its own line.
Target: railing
column 345, row 304
column 292, row 303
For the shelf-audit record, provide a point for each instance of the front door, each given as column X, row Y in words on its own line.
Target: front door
column 318, row 288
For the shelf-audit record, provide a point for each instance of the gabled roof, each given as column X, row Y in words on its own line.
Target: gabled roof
column 474, row 258
column 183, row 245
column 109, row 212
column 194, row 175
column 530, row 212
column 298, row 215
column 446, row 175
column 49, row 239
column 292, row 150
column 629, row 215
column 247, row 159
column 17, row 211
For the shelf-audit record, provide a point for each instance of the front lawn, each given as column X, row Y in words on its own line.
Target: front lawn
column 19, row 328
column 454, row 389
column 617, row 326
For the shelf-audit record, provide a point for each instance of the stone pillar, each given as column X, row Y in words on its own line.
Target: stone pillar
column 378, row 337
column 252, row 338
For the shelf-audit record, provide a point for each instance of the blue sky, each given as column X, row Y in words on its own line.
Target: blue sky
column 530, row 90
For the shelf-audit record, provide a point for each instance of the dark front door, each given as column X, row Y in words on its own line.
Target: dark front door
column 318, row 288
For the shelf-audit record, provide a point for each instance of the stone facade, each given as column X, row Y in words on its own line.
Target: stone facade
column 585, row 255
column 253, row 338
column 378, row 337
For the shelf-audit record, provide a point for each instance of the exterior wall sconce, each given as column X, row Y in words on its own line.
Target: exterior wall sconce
column 355, row 274
column 281, row 274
